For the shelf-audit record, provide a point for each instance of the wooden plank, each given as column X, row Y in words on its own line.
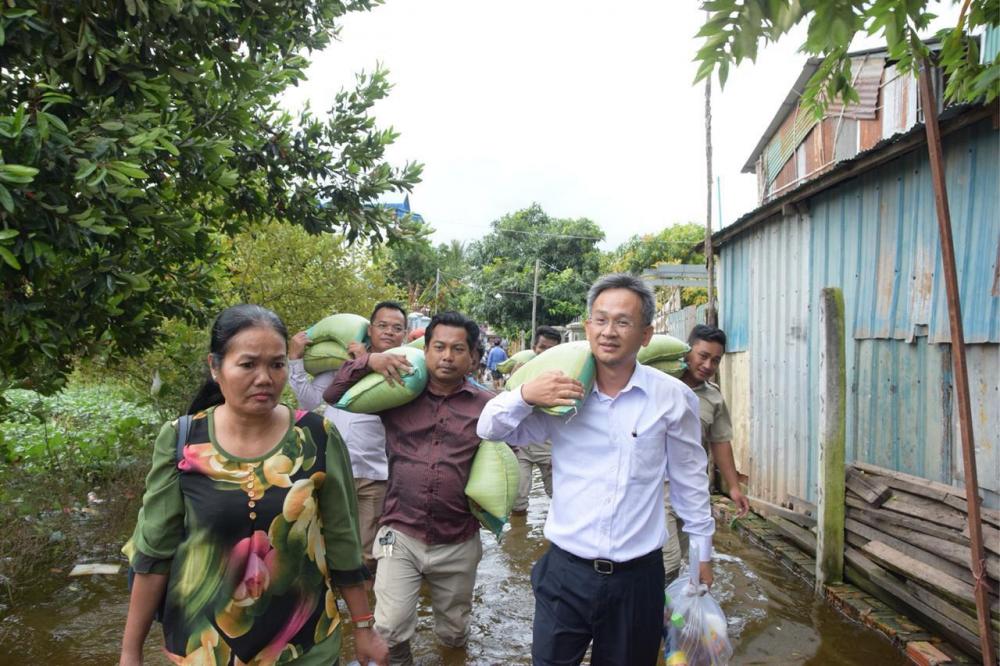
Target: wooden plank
column 927, row 484
column 800, row 505
column 876, row 581
column 925, row 509
column 802, row 538
column 953, row 496
column 915, row 524
column 991, row 538
column 868, row 488
column 961, row 614
column 954, row 552
column 869, row 533
column 926, row 576
column 767, row 509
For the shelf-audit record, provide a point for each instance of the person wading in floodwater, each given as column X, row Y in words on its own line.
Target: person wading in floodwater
column 602, row 579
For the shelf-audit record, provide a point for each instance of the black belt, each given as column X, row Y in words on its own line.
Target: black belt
column 608, row 567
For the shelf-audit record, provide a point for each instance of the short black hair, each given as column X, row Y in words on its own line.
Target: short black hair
column 392, row 305
column 547, row 332
column 458, row 320
column 708, row 334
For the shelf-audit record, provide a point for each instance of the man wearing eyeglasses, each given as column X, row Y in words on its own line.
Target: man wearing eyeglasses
column 363, row 434
column 601, row 581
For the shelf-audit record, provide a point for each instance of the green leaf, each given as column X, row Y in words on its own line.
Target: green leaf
column 128, row 168
column 9, row 257
column 7, row 234
column 17, row 173
column 6, row 200
column 112, row 125
column 85, row 169
column 56, row 120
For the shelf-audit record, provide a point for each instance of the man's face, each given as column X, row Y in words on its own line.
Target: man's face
column 543, row 343
column 704, row 358
column 448, row 355
column 387, row 329
column 615, row 329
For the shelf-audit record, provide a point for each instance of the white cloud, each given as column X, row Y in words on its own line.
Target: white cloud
column 584, row 107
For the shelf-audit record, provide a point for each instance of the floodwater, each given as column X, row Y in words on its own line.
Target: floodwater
column 774, row 618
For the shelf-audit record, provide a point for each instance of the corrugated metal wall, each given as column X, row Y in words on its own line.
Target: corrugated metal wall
column 875, row 237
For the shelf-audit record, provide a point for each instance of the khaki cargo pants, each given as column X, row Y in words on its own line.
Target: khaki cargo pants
column 450, row 572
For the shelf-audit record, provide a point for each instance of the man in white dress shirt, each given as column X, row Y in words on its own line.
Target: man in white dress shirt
column 601, row 581
column 363, row 434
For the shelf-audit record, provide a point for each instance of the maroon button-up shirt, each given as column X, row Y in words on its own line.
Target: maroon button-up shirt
column 430, row 443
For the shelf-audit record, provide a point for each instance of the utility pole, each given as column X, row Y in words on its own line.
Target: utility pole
column 711, row 317
column 437, row 290
column 534, row 300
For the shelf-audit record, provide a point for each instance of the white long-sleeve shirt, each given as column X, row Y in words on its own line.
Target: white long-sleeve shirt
column 609, row 463
column 363, row 434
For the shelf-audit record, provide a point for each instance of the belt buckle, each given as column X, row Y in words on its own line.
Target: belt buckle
column 604, row 567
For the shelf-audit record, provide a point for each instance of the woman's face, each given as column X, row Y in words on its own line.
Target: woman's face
column 254, row 370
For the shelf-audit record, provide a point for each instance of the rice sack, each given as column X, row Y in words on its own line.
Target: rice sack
column 672, row 368
column 375, row 394
column 573, row 359
column 324, row 357
column 515, row 361
column 492, row 486
column 343, row 327
column 663, row 347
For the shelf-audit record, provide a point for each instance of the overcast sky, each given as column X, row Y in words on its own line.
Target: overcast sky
column 586, row 108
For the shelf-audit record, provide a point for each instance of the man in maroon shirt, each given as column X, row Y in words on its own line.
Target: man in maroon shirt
column 427, row 532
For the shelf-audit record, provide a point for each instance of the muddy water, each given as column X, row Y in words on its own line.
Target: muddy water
column 774, row 617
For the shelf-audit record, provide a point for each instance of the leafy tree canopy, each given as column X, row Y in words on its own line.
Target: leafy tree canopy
column 134, row 134
column 735, row 29
column 504, row 263
column 302, row 277
column 671, row 245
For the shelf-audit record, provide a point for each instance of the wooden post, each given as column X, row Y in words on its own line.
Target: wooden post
column 534, row 303
column 964, row 411
column 711, row 316
column 833, row 417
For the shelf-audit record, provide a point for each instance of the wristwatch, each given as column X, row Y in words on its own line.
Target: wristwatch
column 364, row 622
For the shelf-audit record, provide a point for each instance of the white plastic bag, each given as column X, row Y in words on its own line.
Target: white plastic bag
column 695, row 631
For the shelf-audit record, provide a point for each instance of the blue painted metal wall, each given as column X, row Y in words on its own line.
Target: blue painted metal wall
column 875, row 237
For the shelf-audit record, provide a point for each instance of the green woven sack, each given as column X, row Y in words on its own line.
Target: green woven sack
column 344, row 328
column 518, row 359
column 662, row 347
column 572, row 358
column 672, row 368
column 492, row 486
column 324, row 357
column 416, row 344
column 375, row 394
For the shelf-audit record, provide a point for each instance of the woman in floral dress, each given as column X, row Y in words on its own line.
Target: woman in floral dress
column 242, row 538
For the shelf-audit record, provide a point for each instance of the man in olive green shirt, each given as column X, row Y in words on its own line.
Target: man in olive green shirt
column 708, row 344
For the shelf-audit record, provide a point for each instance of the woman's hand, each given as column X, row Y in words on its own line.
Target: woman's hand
column 390, row 366
column 297, row 345
column 356, row 349
column 370, row 646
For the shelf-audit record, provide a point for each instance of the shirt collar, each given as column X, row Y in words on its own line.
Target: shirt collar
column 466, row 387
column 637, row 381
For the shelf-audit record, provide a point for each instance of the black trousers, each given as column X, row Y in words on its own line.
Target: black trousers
column 621, row 612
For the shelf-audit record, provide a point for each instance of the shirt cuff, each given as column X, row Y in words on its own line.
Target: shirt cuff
column 704, row 545
column 296, row 366
column 346, row 578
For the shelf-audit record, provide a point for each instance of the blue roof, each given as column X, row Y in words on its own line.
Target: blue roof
column 402, row 209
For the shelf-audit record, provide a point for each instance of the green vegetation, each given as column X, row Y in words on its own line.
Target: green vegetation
column 734, row 31
column 71, row 474
column 135, row 137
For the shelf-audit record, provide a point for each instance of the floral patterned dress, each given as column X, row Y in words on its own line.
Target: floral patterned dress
column 252, row 546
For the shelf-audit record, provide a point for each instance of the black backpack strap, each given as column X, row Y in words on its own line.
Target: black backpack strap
column 183, row 428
